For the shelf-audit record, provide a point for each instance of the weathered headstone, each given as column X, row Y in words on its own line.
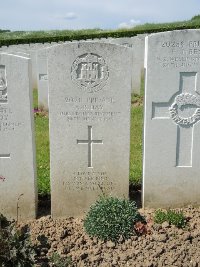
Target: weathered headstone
column 42, row 79
column 31, row 50
column 33, row 54
column 172, row 114
column 17, row 49
column 17, row 148
column 89, row 112
column 142, row 37
column 138, row 65
column 135, row 44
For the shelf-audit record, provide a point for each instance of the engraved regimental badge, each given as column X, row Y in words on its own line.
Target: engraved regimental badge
column 3, row 85
column 188, row 101
column 90, row 72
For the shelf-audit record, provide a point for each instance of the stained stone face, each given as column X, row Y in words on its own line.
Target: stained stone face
column 42, row 79
column 135, row 44
column 138, row 64
column 31, row 51
column 89, row 112
column 141, row 38
column 17, row 147
column 172, row 114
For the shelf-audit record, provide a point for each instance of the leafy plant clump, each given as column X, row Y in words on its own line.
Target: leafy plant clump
column 111, row 218
column 171, row 216
column 15, row 246
column 57, row 261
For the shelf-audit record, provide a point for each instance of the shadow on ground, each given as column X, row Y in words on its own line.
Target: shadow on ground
column 44, row 202
column 44, row 205
column 135, row 195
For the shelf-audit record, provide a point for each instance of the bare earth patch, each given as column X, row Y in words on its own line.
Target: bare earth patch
column 163, row 245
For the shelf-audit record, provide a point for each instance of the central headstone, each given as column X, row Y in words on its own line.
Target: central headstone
column 89, row 111
column 172, row 115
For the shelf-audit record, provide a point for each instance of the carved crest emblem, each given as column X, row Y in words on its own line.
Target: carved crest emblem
column 3, row 85
column 90, row 72
column 181, row 101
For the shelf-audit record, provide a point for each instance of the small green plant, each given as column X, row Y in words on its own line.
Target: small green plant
column 171, row 216
column 57, row 261
column 111, row 218
column 15, row 247
column 176, row 218
column 160, row 216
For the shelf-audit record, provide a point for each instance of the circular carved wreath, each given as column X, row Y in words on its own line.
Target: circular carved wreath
column 180, row 101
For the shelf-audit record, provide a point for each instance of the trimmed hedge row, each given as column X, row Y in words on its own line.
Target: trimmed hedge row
column 1, row 31
column 106, row 34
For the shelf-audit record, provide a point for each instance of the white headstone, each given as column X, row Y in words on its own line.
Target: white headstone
column 42, row 79
column 142, row 37
column 22, row 54
column 16, row 49
column 33, row 54
column 31, row 51
column 89, row 112
column 17, row 147
column 172, row 113
column 135, row 44
column 138, row 64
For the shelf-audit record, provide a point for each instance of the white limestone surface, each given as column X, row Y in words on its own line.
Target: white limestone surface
column 135, row 44
column 89, row 112
column 17, row 145
column 171, row 124
column 42, row 79
column 142, row 37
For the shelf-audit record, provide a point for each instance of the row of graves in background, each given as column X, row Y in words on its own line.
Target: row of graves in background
column 89, row 86
column 38, row 56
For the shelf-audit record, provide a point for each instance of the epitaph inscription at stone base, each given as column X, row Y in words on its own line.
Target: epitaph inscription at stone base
column 89, row 111
column 17, row 148
column 172, row 113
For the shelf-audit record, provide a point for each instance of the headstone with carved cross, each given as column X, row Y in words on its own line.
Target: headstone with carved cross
column 89, row 112
column 171, row 170
column 17, row 147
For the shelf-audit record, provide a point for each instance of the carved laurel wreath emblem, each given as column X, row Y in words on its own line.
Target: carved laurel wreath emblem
column 180, row 101
column 90, row 72
column 3, row 84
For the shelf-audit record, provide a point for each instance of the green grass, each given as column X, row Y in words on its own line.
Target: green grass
column 136, row 137
column 42, row 144
column 42, row 149
column 41, row 121
column 169, row 25
column 176, row 218
column 192, row 23
column 136, row 145
column 50, row 33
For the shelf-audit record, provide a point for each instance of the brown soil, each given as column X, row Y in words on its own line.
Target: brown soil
column 163, row 245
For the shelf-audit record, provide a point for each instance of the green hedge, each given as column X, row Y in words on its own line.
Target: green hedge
column 106, row 34
column 1, row 31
